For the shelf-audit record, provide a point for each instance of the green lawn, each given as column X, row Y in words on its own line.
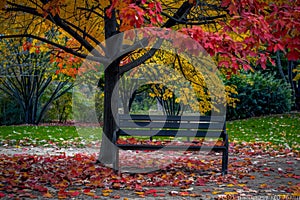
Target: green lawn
column 45, row 135
column 281, row 130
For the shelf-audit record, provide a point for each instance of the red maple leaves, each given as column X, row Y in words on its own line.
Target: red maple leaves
column 133, row 14
column 254, row 30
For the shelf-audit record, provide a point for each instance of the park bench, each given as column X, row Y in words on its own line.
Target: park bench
column 200, row 127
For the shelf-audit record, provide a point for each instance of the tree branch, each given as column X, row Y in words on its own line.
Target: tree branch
column 184, row 9
column 57, row 21
column 100, row 59
column 205, row 20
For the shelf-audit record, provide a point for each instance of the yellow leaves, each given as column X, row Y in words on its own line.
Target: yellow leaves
column 53, row 7
column 152, row 95
column 190, row 165
column 48, row 195
column 297, row 70
column 241, row 185
column 44, row 48
column 139, row 193
column 263, row 186
column 215, row 192
column 2, row 4
column 104, row 4
column 32, row 49
column 105, row 194
column 229, row 90
column 107, row 191
column 230, row 193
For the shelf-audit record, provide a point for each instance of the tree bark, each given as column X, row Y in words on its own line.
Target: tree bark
column 108, row 149
column 111, row 77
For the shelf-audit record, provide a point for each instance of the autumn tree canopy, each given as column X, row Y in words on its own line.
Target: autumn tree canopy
column 238, row 34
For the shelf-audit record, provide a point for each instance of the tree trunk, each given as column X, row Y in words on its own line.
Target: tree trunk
column 111, row 77
column 110, row 110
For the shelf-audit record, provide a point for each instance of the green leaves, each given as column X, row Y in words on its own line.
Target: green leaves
column 259, row 94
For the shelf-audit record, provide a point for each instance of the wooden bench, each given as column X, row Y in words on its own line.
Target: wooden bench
column 200, row 127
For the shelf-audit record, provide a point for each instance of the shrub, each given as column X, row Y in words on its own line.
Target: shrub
column 10, row 111
column 259, row 94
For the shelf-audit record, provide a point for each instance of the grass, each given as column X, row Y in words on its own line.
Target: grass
column 281, row 130
column 46, row 135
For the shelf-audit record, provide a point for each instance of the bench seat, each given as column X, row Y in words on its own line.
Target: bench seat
column 208, row 134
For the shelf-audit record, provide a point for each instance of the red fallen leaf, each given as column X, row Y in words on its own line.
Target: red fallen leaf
column 116, row 196
column 151, row 191
column 62, row 194
column 184, row 194
column 86, row 190
column 40, row 188
column 78, row 157
column 74, row 193
column 289, row 169
column 138, row 188
column 2, row 195
column 206, row 190
column 289, row 190
column 296, row 176
column 200, row 182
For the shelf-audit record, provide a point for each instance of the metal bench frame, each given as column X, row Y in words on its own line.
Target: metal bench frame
column 172, row 126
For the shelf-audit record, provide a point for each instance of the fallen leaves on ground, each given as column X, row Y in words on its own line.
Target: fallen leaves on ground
column 62, row 176
column 195, row 142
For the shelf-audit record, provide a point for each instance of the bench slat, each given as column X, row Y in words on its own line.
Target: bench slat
column 172, row 118
column 181, row 125
column 169, row 147
column 172, row 133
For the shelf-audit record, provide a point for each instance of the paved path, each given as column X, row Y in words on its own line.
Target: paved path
column 268, row 176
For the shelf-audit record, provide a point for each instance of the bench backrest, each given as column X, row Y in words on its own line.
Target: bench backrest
column 179, row 126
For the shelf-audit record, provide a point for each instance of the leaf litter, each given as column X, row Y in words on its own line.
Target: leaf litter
column 255, row 169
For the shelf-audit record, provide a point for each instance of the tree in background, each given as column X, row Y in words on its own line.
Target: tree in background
column 238, row 34
column 27, row 75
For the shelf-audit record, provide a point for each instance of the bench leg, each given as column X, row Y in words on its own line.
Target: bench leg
column 116, row 160
column 225, row 162
column 225, row 155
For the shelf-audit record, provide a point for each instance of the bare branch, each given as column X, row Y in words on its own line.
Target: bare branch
column 100, row 59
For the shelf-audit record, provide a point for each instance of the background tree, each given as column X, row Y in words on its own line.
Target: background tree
column 26, row 75
column 236, row 33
